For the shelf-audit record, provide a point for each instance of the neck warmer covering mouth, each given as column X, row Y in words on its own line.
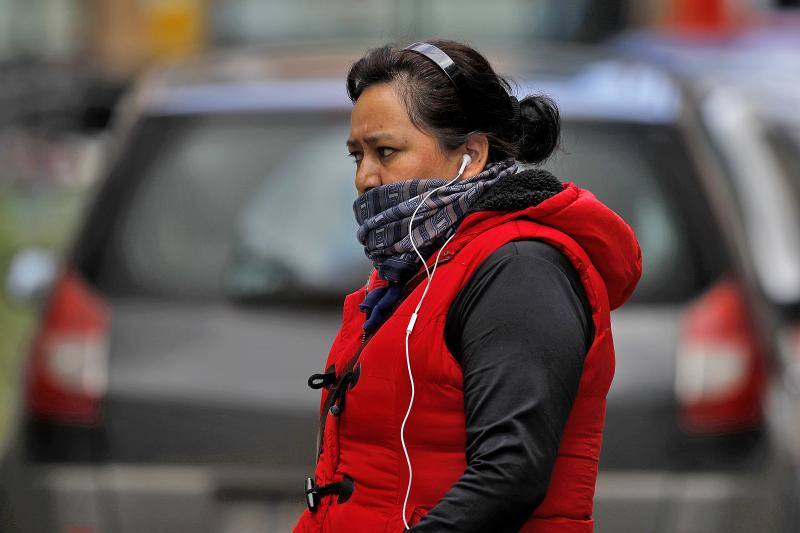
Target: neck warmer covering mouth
column 383, row 214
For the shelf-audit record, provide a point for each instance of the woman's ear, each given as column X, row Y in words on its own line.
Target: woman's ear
column 477, row 146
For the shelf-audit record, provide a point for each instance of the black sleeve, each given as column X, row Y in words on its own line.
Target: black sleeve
column 520, row 328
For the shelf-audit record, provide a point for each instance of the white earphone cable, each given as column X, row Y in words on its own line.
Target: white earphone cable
column 413, row 320
column 465, row 161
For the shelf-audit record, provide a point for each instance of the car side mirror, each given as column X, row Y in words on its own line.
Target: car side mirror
column 30, row 275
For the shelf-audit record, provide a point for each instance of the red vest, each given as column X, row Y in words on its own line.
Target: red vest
column 363, row 442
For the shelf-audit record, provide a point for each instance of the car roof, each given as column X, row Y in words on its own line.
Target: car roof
column 583, row 86
column 761, row 62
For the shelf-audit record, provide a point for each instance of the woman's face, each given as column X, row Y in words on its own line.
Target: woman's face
column 388, row 148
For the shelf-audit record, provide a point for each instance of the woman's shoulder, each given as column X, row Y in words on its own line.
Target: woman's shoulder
column 535, row 254
column 526, row 278
column 531, row 249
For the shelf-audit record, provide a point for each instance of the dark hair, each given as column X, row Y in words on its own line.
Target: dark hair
column 481, row 104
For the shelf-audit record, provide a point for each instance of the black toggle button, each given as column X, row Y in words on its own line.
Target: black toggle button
column 317, row 381
column 313, row 492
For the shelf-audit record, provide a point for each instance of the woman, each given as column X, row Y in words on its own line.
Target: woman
column 466, row 388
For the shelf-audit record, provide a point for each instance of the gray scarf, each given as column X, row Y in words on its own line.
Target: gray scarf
column 383, row 214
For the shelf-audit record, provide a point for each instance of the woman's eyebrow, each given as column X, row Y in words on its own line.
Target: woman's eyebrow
column 372, row 139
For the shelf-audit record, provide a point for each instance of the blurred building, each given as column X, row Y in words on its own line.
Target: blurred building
column 58, row 55
column 42, row 29
column 127, row 34
column 121, row 36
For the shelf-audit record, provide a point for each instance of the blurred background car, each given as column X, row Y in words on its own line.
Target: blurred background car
column 755, row 130
column 743, row 85
column 163, row 385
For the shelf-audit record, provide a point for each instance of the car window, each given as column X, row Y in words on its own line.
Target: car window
column 784, row 141
column 236, row 205
column 296, row 231
column 260, row 206
column 632, row 168
column 756, row 157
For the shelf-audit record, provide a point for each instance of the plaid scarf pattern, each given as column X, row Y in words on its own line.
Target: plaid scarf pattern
column 383, row 214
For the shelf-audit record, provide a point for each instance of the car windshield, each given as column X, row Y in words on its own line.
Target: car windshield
column 784, row 140
column 259, row 207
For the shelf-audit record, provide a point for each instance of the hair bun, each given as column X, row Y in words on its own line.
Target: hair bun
column 540, row 128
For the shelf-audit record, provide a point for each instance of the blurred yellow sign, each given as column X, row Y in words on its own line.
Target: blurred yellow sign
column 174, row 28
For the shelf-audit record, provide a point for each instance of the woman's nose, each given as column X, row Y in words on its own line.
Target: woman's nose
column 367, row 176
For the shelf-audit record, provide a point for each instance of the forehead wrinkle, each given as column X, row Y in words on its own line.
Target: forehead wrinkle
column 373, row 138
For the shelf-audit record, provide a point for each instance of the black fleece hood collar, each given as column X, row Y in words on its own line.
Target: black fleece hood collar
column 519, row 191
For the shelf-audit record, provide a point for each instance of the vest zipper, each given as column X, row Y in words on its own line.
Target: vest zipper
column 330, row 397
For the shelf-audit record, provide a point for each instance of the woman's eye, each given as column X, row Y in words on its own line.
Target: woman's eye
column 382, row 149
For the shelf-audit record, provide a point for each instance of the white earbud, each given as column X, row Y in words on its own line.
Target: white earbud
column 465, row 161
